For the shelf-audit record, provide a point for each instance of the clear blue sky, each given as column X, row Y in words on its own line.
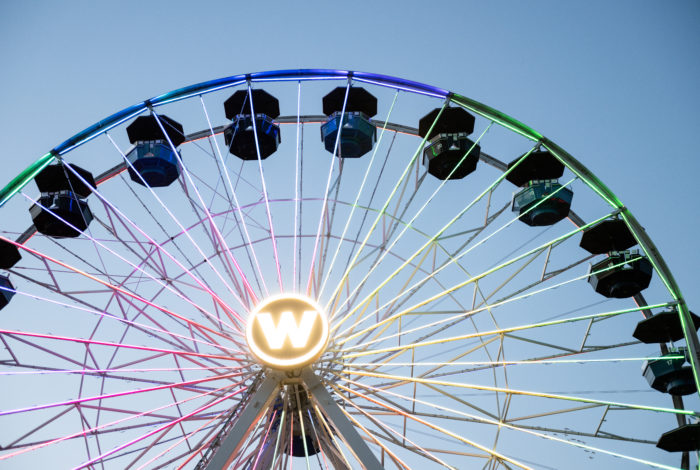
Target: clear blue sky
column 613, row 82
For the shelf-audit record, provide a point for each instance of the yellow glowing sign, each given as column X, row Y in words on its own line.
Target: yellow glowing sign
column 287, row 331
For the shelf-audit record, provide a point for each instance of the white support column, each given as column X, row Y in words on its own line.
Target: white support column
column 341, row 423
column 253, row 411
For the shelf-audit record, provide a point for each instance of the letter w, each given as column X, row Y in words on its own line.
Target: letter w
column 287, row 326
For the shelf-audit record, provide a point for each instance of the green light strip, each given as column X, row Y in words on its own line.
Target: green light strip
column 511, row 391
column 338, row 288
column 507, row 363
column 472, row 279
column 498, row 332
column 645, row 243
column 428, row 243
column 354, row 205
column 21, row 180
column 497, row 116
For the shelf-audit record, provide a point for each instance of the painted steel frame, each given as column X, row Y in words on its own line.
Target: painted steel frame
column 260, row 401
column 104, row 125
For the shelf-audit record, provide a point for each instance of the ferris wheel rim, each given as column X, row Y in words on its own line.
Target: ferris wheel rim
column 315, row 74
column 202, row 88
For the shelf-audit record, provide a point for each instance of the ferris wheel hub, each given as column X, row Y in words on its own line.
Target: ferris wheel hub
column 287, row 331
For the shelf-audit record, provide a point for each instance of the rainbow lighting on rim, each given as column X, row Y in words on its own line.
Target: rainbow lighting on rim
column 287, row 331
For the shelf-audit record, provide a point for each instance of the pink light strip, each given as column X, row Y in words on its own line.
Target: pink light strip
column 124, row 320
column 121, row 345
column 206, row 211
column 262, row 444
column 106, row 371
column 183, row 439
column 160, row 247
column 119, row 394
column 116, row 288
column 157, row 430
column 137, row 267
column 93, row 430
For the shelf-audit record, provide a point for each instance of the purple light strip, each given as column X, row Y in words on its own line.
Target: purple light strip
column 158, row 281
column 120, row 394
column 122, row 320
column 264, row 188
column 95, row 429
column 206, row 211
column 235, row 197
column 436, row 94
column 328, row 185
column 105, row 371
column 159, row 429
column 104, row 125
column 115, row 288
column 223, row 304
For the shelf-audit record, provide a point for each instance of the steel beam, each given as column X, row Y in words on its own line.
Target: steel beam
column 341, row 423
column 253, row 411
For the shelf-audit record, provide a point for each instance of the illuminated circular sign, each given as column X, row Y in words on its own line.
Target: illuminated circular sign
column 287, row 331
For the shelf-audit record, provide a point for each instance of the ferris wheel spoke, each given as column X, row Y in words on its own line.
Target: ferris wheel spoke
column 359, row 194
column 497, row 332
column 435, row 427
column 551, row 359
column 264, row 440
column 296, row 226
column 236, row 205
column 140, row 269
column 184, row 231
column 460, row 285
column 381, row 212
column 324, row 204
column 159, row 429
column 429, row 241
column 398, row 438
column 523, row 392
column 264, row 191
column 541, row 433
column 317, row 438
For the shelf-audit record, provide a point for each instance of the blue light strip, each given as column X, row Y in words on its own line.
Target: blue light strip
column 235, row 80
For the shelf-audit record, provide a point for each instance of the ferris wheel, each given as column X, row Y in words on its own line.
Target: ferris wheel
column 333, row 269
